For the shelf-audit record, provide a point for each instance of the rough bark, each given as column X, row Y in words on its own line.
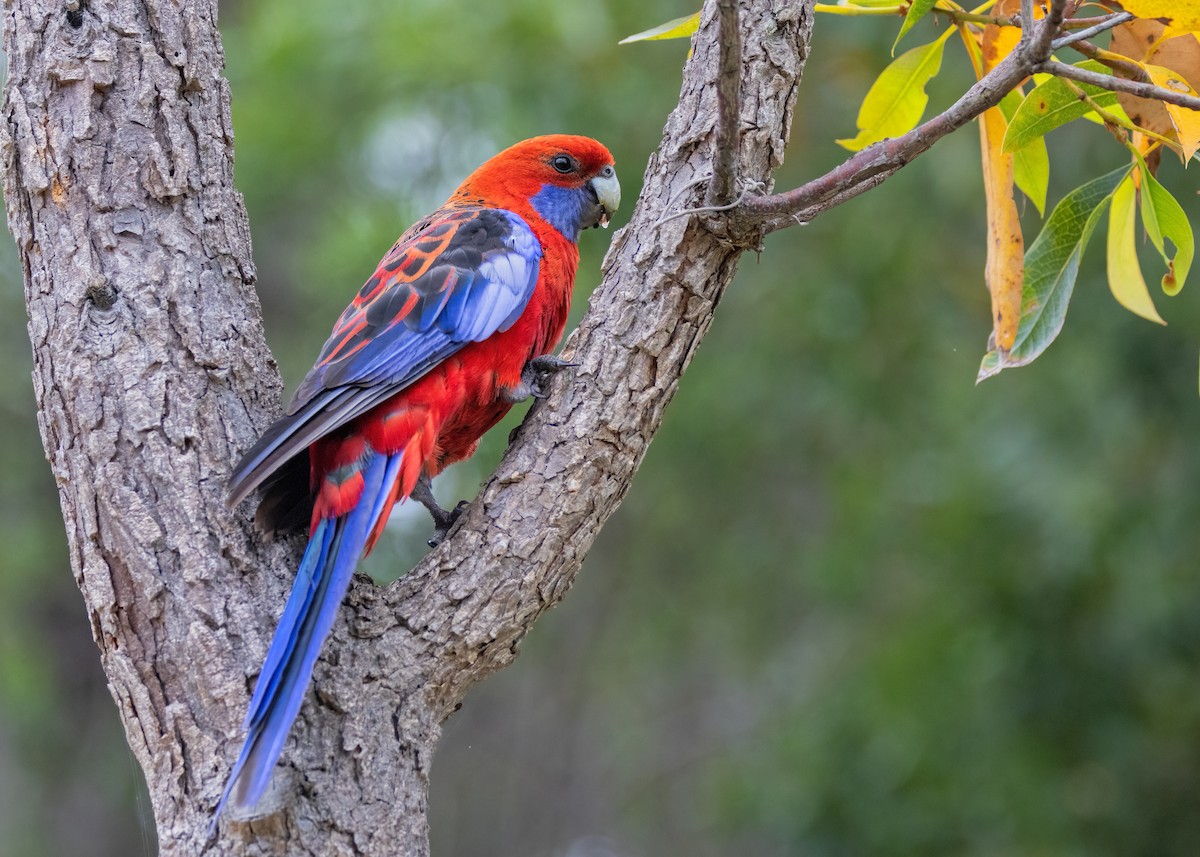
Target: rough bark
column 152, row 374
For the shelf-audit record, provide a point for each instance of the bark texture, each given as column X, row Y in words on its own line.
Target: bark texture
column 152, row 374
column 151, row 369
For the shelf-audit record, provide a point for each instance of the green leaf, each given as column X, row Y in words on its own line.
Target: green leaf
column 897, row 98
column 1124, row 271
column 917, row 9
column 1052, row 104
column 1163, row 217
column 1051, row 266
column 1031, row 162
column 679, row 28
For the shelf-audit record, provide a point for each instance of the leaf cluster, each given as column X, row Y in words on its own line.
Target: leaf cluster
column 1152, row 42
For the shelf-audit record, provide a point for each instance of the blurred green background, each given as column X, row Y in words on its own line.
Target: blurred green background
column 854, row 604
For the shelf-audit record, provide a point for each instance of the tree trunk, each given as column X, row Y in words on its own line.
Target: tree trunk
column 152, row 375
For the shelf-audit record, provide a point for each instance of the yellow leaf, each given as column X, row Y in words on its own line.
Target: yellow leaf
column 1182, row 16
column 1005, row 269
column 998, row 42
column 1148, row 43
column 1124, row 272
column 1031, row 164
column 1185, row 121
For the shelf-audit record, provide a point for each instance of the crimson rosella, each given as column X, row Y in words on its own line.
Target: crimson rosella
column 455, row 325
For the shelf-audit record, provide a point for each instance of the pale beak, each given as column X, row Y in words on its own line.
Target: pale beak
column 607, row 191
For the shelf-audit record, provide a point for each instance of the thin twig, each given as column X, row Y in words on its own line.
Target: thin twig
column 1080, row 23
column 729, row 104
column 702, row 209
column 1119, row 84
column 1099, row 24
column 1080, row 35
column 960, row 17
column 1112, row 121
column 675, row 197
column 1092, row 26
column 858, row 11
column 1116, row 62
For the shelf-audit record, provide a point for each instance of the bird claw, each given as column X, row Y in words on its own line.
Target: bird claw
column 445, row 521
column 536, row 376
column 442, row 520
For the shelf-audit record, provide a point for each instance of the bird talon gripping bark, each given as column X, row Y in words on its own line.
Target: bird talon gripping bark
column 442, row 527
column 442, row 520
column 422, row 363
column 535, row 378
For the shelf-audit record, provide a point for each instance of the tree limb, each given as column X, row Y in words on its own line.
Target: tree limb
column 151, row 369
column 875, row 164
column 868, row 168
column 729, row 105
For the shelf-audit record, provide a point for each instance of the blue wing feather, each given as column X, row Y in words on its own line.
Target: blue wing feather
column 459, row 277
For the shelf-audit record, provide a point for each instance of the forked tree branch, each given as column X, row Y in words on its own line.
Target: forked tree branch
column 152, row 374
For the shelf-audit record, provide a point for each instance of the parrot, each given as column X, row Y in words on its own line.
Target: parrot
column 456, row 325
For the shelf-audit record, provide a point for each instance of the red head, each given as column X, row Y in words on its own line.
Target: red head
column 567, row 181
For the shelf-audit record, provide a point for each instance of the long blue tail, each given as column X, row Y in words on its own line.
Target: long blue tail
column 333, row 551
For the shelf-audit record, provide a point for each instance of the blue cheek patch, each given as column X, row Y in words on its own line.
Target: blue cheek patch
column 561, row 207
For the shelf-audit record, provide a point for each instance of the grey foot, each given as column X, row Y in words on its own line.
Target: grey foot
column 536, row 376
column 442, row 520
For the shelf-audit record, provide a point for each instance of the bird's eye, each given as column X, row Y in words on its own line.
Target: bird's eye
column 563, row 163
column 607, row 172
